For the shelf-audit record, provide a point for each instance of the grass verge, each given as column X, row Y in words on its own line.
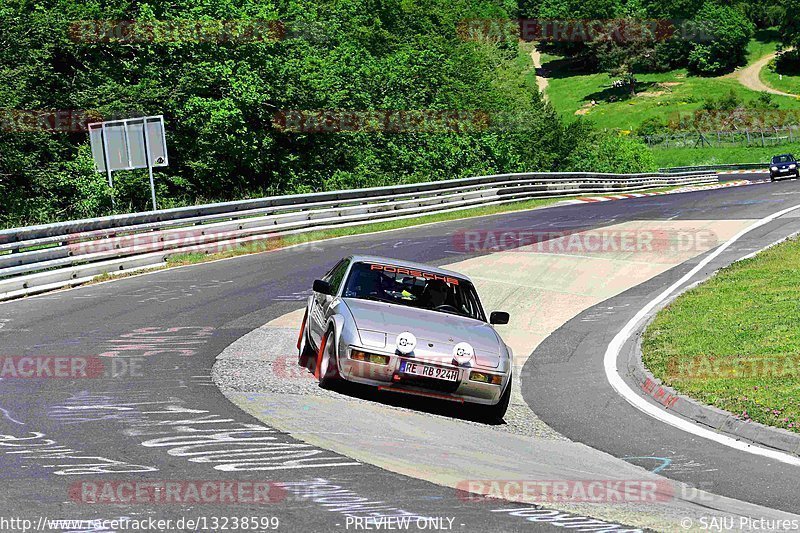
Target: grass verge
column 734, row 341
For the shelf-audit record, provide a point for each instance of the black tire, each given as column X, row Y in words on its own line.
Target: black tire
column 327, row 361
column 493, row 414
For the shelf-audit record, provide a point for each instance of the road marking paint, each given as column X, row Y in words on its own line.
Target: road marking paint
column 5, row 413
column 622, row 388
column 665, row 462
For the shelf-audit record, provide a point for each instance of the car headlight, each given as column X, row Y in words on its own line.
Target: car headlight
column 483, row 377
column 792, row 166
column 406, row 342
column 463, row 353
column 773, row 168
column 375, row 358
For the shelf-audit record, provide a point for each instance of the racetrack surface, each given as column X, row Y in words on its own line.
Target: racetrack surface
column 154, row 422
column 565, row 383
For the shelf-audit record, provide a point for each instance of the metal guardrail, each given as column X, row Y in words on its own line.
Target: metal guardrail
column 712, row 168
column 39, row 258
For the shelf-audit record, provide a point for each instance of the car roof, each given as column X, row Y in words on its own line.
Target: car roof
column 409, row 265
column 782, row 155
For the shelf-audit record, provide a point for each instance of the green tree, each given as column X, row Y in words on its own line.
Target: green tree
column 219, row 99
column 721, row 33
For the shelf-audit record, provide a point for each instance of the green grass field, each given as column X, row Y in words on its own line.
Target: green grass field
column 734, row 341
column 763, row 42
column 782, row 81
column 681, row 157
column 787, row 84
column 660, row 95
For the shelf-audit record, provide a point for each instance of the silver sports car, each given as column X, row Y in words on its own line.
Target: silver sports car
column 407, row 328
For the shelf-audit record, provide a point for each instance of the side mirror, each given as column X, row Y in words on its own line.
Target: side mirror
column 322, row 287
column 498, row 317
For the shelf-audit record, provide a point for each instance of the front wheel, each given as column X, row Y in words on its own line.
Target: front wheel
column 327, row 361
column 493, row 414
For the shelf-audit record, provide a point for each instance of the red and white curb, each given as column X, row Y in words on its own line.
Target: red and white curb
column 750, row 171
column 689, row 188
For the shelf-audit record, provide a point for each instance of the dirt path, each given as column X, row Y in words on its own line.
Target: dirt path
column 541, row 81
column 750, row 76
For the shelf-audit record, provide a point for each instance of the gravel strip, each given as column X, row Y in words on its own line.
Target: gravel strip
column 265, row 361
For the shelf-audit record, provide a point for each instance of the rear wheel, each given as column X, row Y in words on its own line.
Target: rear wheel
column 327, row 361
column 493, row 414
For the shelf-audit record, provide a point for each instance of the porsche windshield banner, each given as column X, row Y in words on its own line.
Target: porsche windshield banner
column 412, row 272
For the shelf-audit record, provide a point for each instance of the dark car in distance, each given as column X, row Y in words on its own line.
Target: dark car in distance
column 784, row 165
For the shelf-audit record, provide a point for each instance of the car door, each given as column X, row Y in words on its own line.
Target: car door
column 321, row 303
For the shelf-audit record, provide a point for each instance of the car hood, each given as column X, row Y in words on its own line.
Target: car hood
column 437, row 333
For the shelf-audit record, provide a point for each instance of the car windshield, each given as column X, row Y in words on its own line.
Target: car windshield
column 413, row 288
column 783, row 159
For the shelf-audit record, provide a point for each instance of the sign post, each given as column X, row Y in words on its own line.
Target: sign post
column 128, row 144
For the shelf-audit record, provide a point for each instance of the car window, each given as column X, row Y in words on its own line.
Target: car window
column 783, row 158
column 336, row 275
column 413, row 288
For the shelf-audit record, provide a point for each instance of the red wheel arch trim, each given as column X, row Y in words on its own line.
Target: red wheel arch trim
column 319, row 355
column 302, row 328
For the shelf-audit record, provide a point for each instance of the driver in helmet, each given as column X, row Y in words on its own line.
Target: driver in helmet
column 435, row 293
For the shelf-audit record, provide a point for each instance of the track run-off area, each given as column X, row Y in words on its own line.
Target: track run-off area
column 193, row 408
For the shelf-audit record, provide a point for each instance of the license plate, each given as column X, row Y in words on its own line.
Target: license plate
column 428, row 371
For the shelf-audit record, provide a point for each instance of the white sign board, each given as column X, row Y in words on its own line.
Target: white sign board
column 123, row 143
column 128, row 144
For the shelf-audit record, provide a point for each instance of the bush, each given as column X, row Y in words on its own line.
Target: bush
column 651, row 126
column 610, row 152
column 728, row 102
column 723, row 33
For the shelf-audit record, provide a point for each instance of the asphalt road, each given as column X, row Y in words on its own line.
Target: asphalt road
column 565, row 384
column 160, row 418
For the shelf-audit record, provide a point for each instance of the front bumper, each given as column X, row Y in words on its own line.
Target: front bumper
column 389, row 377
column 783, row 172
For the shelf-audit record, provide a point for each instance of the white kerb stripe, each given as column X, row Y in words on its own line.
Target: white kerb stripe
column 622, row 388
